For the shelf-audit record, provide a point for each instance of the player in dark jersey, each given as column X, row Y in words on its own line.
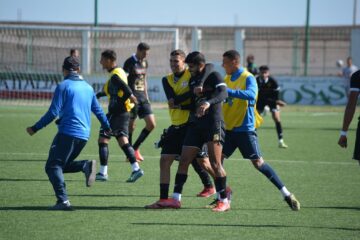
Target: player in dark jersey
column 136, row 67
column 206, row 126
column 121, row 100
column 269, row 96
column 349, row 114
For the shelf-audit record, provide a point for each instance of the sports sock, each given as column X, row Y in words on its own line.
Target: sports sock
column 180, row 180
column 164, row 191
column 285, row 192
column 220, row 185
column 103, row 153
column 129, row 152
column 135, row 167
column 103, row 170
column 130, row 138
column 279, row 130
column 204, row 176
column 143, row 135
column 267, row 170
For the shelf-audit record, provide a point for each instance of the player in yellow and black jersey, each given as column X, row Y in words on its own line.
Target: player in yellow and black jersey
column 121, row 101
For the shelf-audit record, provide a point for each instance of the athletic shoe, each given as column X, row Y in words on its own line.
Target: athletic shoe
column 101, row 177
column 62, row 206
column 90, row 172
column 228, row 193
column 212, row 204
column 138, row 155
column 293, row 203
column 221, row 207
column 135, row 175
column 282, row 145
column 164, row 203
column 206, row 192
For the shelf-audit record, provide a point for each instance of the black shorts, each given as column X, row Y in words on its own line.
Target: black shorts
column 197, row 135
column 357, row 143
column 119, row 124
column 246, row 142
column 260, row 105
column 141, row 110
column 174, row 139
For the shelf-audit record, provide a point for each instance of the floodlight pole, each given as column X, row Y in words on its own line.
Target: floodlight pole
column 354, row 13
column 307, row 37
column 96, row 43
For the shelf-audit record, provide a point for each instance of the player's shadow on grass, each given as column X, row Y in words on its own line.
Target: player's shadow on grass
column 112, row 195
column 191, row 225
column 92, row 208
column 335, row 207
column 23, row 160
column 31, row 180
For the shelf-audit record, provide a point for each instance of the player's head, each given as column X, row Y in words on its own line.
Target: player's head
column 74, row 52
column 71, row 64
column 264, row 71
column 177, row 61
column 250, row 58
column 231, row 61
column 349, row 61
column 108, row 59
column 142, row 50
column 196, row 62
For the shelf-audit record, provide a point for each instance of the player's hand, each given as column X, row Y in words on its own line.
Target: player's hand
column 108, row 132
column 30, row 131
column 201, row 109
column 281, row 103
column 133, row 99
column 343, row 141
column 198, row 91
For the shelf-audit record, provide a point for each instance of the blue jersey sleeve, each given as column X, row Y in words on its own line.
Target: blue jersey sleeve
column 249, row 93
column 54, row 109
column 99, row 113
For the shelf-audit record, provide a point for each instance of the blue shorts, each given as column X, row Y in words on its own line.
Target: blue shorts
column 246, row 142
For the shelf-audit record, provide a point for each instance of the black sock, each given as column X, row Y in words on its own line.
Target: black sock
column 180, row 180
column 220, row 185
column 279, row 130
column 129, row 152
column 204, row 176
column 143, row 135
column 164, row 191
column 103, row 153
column 130, row 138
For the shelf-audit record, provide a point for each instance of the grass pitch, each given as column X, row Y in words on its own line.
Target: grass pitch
column 321, row 174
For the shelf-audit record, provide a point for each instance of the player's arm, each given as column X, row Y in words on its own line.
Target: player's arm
column 51, row 114
column 118, row 82
column 209, row 68
column 249, row 93
column 173, row 99
column 99, row 113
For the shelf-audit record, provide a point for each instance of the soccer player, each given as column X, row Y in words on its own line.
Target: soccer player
column 136, row 67
column 349, row 114
column 121, row 101
column 176, row 86
column 269, row 96
column 347, row 72
column 73, row 102
column 74, row 53
column 251, row 65
column 239, row 117
column 206, row 127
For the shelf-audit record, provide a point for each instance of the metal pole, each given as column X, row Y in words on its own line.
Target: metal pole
column 354, row 13
column 96, row 14
column 307, row 37
column 96, row 43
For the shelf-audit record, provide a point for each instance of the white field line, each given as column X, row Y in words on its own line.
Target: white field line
column 350, row 162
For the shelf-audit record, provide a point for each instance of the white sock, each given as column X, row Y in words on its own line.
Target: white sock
column 135, row 166
column 285, row 192
column 104, row 169
column 177, row 196
column 224, row 200
column 281, row 140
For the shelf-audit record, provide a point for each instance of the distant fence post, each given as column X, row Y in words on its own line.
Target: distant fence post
column 239, row 43
column 355, row 46
column 85, row 53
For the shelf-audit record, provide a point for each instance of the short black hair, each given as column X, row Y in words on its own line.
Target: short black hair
column 109, row 54
column 178, row 52
column 232, row 55
column 195, row 58
column 143, row 46
column 71, row 63
column 263, row 68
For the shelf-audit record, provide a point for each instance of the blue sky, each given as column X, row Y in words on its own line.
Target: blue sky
column 183, row 12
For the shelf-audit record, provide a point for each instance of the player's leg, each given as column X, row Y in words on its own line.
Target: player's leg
column 209, row 189
column 132, row 122
column 275, row 113
column 103, row 143
column 356, row 155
